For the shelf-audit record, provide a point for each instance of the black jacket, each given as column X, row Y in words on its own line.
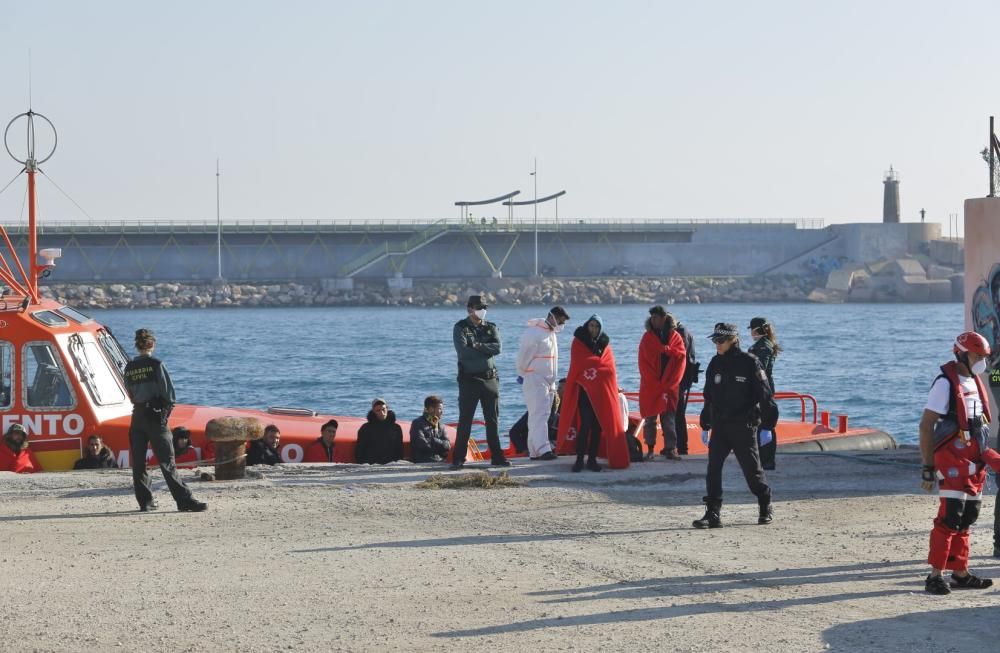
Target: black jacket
column 261, row 454
column 736, row 390
column 379, row 442
column 763, row 349
column 597, row 346
column 692, row 370
column 105, row 459
column 427, row 441
column 147, row 380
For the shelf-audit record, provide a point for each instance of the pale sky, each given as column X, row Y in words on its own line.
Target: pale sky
column 388, row 110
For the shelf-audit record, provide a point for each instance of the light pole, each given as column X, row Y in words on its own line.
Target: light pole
column 218, row 220
column 534, row 173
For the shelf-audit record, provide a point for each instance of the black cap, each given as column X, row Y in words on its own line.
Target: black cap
column 758, row 322
column 476, row 302
column 724, row 331
column 658, row 310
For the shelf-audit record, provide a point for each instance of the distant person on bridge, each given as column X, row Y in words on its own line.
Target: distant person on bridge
column 662, row 361
column 766, row 348
column 477, row 342
column 538, row 369
column 737, row 400
column 152, row 394
column 954, row 435
column 15, row 456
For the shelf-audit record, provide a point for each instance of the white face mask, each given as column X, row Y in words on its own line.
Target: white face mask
column 558, row 328
column 979, row 366
column 480, row 313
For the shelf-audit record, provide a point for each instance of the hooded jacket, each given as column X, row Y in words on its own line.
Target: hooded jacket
column 379, row 441
column 538, row 356
column 17, row 459
column 662, row 361
column 105, row 459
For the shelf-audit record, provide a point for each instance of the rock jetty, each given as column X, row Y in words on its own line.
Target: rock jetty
column 617, row 290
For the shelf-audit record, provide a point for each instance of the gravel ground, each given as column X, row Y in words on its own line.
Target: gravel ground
column 342, row 557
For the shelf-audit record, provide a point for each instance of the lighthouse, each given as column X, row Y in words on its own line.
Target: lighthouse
column 890, row 198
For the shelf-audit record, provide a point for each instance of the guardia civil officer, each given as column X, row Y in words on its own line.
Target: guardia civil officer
column 737, row 395
column 476, row 343
column 766, row 348
column 152, row 395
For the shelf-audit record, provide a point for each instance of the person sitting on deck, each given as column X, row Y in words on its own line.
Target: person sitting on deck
column 184, row 454
column 321, row 451
column 97, row 456
column 265, row 451
column 14, row 453
column 428, row 441
column 380, row 440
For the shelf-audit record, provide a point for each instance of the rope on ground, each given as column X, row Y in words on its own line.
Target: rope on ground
column 858, row 457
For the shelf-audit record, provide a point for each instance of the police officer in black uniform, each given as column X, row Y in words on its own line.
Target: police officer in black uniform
column 737, row 395
column 152, row 395
column 476, row 343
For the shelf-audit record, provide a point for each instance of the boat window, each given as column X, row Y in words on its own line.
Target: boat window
column 94, row 372
column 44, row 378
column 75, row 315
column 50, row 318
column 114, row 350
column 6, row 374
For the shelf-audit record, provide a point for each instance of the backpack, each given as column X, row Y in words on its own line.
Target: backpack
column 634, row 448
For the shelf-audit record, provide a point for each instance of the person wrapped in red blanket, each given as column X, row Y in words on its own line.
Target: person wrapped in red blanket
column 590, row 406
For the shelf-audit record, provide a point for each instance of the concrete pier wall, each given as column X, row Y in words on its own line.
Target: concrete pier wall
column 255, row 253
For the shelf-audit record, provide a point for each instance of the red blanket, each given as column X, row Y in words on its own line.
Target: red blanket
column 596, row 375
column 658, row 393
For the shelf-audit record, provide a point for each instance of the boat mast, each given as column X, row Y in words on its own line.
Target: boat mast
column 29, row 289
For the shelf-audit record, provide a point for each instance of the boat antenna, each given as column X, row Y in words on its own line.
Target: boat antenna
column 31, row 163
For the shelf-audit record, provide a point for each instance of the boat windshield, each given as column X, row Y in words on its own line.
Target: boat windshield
column 6, row 369
column 94, row 372
column 44, row 378
column 114, row 350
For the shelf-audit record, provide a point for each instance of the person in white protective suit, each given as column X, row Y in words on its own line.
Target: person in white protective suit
column 538, row 369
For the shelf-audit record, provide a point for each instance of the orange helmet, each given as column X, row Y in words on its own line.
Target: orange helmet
column 972, row 341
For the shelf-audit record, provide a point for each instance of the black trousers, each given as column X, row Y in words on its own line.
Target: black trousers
column 680, row 419
column 768, row 450
column 472, row 392
column 147, row 429
column 996, row 519
column 742, row 441
column 589, row 437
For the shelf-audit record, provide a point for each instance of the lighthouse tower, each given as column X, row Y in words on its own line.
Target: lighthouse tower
column 890, row 198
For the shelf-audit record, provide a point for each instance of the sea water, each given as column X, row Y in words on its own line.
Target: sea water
column 873, row 362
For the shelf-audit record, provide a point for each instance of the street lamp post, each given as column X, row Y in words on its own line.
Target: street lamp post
column 218, row 222
column 534, row 173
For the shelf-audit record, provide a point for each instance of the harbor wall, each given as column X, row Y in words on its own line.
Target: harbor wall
column 254, row 253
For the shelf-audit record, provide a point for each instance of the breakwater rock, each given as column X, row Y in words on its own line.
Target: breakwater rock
column 618, row 290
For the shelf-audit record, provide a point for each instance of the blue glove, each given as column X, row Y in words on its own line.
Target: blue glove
column 520, row 380
column 704, row 438
column 765, row 437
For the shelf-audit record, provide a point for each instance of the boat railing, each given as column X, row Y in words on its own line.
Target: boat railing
column 802, row 398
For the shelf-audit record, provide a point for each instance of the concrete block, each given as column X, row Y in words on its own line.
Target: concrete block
column 827, row 296
column 957, row 287
column 935, row 271
column 939, row 290
column 340, row 283
column 906, row 267
column 839, row 280
column 861, row 295
column 399, row 283
column 913, row 288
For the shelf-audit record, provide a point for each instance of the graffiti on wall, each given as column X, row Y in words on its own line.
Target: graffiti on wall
column 986, row 313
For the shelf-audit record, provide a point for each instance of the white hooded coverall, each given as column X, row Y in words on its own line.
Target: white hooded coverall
column 538, row 364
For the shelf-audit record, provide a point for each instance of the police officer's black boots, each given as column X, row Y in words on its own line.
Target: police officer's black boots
column 711, row 518
column 766, row 514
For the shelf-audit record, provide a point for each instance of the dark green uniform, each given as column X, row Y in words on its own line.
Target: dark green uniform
column 478, row 382
column 763, row 349
column 152, row 395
